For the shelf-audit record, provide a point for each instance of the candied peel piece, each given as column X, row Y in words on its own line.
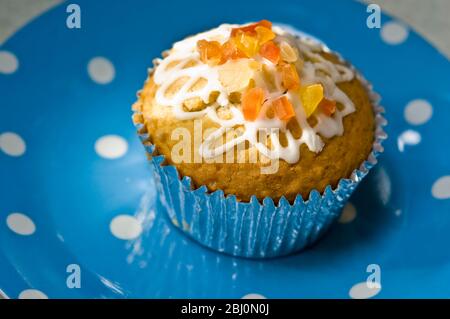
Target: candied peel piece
column 246, row 43
column 328, row 107
column 210, row 51
column 230, row 51
column 264, row 34
column 252, row 101
column 288, row 53
column 311, row 96
column 289, row 76
column 283, row 108
column 251, row 29
column 270, row 51
column 248, row 39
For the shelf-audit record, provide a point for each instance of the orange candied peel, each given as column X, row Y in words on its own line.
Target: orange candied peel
column 251, row 28
column 249, row 38
column 252, row 101
column 264, row 34
column 246, row 43
column 283, row 108
column 210, row 51
column 270, row 51
column 328, row 107
column 289, row 76
column 230, row 51
column 311, row 96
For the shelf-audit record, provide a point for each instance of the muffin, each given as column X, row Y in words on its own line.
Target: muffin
column 257, row 137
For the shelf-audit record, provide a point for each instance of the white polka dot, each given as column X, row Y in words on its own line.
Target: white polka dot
column 418, row 112
column 408, row 137
column 253, row 296
column 394, row 32
column 125, row 227
column 348, row 214
column 111, row 146
column 441, row 188
column 101, row 70
column 32, row 294
column 12, row 144
column 8, row 62
column 20, row 224
column 363, row 291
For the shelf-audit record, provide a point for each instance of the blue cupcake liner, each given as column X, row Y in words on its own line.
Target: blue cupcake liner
column 257, row 229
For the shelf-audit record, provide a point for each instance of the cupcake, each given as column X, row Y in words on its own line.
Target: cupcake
column 257, row 137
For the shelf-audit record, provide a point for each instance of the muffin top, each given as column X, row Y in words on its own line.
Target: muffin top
column 257, row 95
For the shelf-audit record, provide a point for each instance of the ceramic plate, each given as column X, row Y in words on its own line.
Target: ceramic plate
column 79, row 216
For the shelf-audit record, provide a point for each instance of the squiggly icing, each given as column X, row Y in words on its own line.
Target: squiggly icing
column 316, row 69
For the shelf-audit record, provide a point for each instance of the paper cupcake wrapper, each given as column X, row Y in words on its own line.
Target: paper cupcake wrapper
column 257, row 229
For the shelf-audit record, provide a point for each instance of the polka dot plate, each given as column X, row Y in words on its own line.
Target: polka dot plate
column 79, row 216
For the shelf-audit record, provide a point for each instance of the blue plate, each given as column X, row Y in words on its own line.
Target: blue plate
column 79, row 215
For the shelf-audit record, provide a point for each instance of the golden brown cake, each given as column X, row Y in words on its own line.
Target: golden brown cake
column 252, row 110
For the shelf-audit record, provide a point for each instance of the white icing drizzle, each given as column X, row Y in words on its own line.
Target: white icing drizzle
column 316, row 70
